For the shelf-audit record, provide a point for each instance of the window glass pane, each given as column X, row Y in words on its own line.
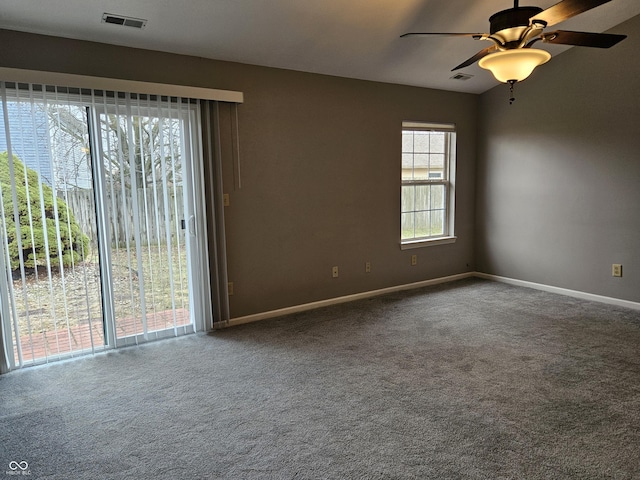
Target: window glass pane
column 408, row 198
column 407, row 141
column 437, row 222
column 422, row 197
column 436, row 161
column 421, row 160
column 437, row 142
column 422, row 224
column 407, row 166
column 437, row 196
column 49, row 240
column 407, row 161
column 149, row 255
column 421, row 166
column 421, row 142
column 407, row 227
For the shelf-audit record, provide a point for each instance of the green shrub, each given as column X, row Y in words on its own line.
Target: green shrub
column 74, row 243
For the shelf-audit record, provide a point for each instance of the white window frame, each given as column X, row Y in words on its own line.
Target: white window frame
column 448, row 180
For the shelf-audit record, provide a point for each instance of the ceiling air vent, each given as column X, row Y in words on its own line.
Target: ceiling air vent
column 124, row 21
column 461, row 76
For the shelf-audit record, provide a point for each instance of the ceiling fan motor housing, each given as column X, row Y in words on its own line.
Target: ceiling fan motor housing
column 509, row 25
column 512, row 17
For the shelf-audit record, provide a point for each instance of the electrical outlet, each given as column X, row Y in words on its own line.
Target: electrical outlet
column 230, row 288
column 616, row 270
column 414, row 260
column 367, row 267
column 334, row 272
column 225, row 200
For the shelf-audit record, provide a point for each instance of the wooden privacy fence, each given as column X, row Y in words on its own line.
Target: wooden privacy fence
column 155, row 215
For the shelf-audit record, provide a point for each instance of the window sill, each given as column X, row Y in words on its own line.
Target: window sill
column 427, row 242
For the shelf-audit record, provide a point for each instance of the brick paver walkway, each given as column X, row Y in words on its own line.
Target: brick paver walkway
column 80, row 337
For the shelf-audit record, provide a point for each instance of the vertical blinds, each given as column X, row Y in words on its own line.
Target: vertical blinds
column 101, row 220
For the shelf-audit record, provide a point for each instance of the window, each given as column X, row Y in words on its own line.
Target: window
column 428, row 174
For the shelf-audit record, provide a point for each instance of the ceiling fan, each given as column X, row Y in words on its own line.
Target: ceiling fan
column 515, row 30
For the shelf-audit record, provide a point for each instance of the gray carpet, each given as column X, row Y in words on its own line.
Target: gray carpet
column 469, row 380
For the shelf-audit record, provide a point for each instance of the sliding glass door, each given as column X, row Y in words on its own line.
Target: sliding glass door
column 145, row 157
column 52, row 294
column 98, row 220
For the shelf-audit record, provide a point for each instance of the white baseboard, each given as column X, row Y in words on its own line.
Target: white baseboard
column 562, row 291
column 347, row 298
column 410, row 286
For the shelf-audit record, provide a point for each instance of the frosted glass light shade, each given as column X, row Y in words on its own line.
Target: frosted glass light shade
column 514, row 65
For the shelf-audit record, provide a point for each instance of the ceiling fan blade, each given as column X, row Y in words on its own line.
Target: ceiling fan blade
column 476, row 36
column 476, row 57
column 566, row 9
column 583, row 39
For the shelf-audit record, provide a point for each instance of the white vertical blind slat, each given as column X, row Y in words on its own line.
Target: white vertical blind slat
column 175, row 115
column 102, row 188
column 14, row 314
column 136, row 218
column 167, row 203
column 60, row 250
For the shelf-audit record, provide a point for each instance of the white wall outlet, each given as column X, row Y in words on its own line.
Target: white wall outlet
column 334, row 272
column 367, row 267
column 616, row 270
column 230, row 288
column 225, row 199
column 414, row 259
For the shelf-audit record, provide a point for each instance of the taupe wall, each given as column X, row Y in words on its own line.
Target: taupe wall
column 320, row 170
column 559, row 173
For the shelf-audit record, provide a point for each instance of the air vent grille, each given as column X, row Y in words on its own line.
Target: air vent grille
column 124, row 21
column 461, row 77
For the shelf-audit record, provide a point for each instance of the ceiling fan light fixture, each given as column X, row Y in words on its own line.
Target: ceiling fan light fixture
column 514, row 65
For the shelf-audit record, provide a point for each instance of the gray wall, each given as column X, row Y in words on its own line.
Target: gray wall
column 320, row 159
column 558, row 184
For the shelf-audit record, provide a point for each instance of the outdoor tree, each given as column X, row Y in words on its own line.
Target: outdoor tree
column 136, row 149
column 140, row 152
column 38, row 213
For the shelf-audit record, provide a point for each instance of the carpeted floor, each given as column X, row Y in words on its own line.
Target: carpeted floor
column 468, row 380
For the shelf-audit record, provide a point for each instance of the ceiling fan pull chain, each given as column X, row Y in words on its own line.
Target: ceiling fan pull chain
column 512, row 98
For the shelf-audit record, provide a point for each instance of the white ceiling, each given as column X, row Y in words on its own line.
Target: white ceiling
column 348, row 38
